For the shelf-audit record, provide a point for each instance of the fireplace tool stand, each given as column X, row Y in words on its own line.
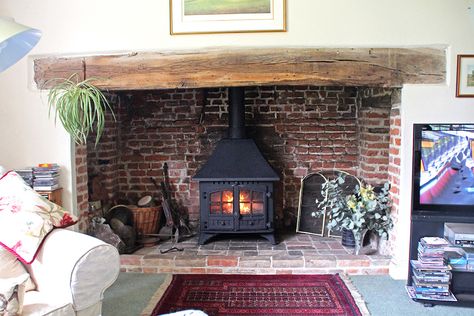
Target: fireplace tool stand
column 175, row 226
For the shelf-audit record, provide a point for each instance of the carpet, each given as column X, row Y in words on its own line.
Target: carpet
column 218, row 295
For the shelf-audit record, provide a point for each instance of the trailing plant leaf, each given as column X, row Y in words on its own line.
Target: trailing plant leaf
column 80, row 106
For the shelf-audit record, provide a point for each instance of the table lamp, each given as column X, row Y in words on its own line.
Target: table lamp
column 16, row 40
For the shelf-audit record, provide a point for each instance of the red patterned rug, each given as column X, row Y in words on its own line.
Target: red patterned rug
column 258, row 295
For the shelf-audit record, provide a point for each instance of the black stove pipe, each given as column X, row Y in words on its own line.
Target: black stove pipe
column 236, row 112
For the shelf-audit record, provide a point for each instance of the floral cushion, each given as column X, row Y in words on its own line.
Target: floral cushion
column 26, row 217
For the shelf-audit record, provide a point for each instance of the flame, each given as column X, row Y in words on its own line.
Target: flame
column 227, row 202
column 227, row 197
column 244, row 203
column 244, row 199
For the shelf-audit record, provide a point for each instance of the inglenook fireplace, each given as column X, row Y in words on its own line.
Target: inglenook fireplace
column 236, row 183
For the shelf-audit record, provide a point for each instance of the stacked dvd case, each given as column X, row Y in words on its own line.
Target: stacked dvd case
column 431, row 276
column 46, row 177
column 431, row 251
column 26, row 174
column 469, row 252
column 456, row 258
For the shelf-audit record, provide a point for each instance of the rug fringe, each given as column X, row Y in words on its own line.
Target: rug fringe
column 157, row 296
column 356, row 295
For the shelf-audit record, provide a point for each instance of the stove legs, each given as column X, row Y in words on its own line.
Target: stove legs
column 204, row 237
column 270, row 237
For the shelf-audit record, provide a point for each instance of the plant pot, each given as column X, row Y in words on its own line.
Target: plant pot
column 348, row 238
column 354, row 239
column 359, row 237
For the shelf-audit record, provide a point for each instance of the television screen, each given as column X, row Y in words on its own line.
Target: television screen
column 444, row 170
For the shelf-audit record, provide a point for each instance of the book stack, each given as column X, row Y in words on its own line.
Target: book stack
column 26, row 174
column 431, row 276
column 46, row 177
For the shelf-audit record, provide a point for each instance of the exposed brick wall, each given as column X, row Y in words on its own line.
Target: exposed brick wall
column 394, row 166
column 300, row 129
column 104, row 158
column 81, row 187
column 373, row 121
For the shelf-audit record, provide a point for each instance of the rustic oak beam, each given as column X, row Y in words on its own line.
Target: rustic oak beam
column 48, row 69
column 377, row 67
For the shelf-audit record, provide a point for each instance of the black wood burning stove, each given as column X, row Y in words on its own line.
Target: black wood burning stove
column 236, row 183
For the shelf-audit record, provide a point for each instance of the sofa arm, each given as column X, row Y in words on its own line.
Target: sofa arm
column 75, row 267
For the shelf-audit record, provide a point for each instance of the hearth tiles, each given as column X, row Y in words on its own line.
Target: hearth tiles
column 296, row 254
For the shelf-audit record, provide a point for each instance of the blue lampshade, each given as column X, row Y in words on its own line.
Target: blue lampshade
column 16, row 40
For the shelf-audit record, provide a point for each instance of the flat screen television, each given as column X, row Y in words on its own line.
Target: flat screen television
column 443, row 168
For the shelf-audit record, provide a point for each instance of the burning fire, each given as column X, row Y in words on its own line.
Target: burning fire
column 227, row 202
column 244, row 202
column 244, row 199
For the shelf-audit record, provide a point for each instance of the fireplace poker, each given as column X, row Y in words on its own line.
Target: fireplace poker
column 171, row 249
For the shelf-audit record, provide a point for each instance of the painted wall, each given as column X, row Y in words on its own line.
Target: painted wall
column 88, row 26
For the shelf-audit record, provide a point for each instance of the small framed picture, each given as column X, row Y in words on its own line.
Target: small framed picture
column 465, row 76
column 226, row 16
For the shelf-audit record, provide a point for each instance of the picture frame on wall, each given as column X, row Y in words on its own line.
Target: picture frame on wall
column 227, row 16
column 465, row 76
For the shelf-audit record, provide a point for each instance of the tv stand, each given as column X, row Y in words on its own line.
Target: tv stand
column 432, row 224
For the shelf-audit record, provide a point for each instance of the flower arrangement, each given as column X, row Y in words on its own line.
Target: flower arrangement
column 361, row 211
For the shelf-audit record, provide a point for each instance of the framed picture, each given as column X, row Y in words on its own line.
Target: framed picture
column 227, row 16
column 465, row 76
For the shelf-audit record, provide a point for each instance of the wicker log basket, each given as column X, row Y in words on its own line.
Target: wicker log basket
column 146, row 220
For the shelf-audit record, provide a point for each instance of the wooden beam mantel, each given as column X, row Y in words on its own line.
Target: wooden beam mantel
column 377, row 67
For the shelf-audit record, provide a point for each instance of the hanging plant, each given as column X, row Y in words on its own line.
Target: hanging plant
column 80, row 106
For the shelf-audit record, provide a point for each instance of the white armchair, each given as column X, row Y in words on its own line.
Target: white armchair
column 71, row 272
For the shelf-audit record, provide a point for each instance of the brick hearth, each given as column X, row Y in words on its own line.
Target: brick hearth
column 296, row 254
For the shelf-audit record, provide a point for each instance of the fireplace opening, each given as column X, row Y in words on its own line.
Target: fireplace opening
column 236, row 182
column 298, row 129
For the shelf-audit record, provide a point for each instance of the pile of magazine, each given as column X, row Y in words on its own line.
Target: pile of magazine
column 431, row 276
column 46, row 177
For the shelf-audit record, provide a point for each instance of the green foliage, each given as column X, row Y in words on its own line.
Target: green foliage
column 205, row 7
column 80, row 107
column 364, row 209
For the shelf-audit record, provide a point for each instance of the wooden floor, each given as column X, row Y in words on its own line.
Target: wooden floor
column 295, row 254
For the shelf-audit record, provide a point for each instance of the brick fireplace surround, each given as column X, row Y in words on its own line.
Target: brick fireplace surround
column 308, row 109
column 299, row 129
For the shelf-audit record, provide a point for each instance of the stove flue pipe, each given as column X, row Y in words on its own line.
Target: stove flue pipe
column 236, row 112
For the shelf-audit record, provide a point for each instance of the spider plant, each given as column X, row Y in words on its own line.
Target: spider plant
column 80, row 106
